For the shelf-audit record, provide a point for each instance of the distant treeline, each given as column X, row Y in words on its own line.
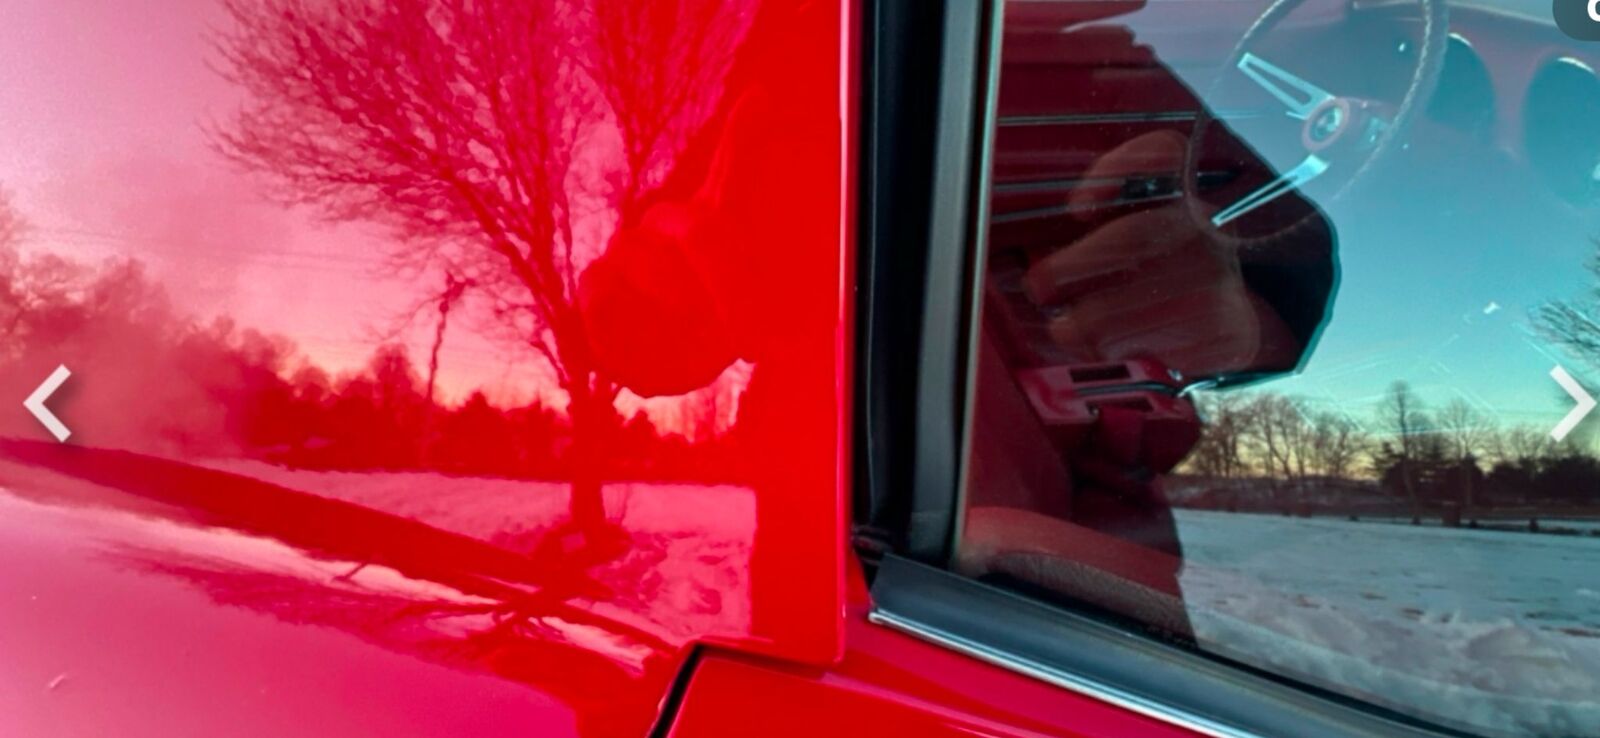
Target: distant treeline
column 147, row 377
column 1401, row 447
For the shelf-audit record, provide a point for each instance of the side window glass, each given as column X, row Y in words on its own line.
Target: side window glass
column 1288, row 329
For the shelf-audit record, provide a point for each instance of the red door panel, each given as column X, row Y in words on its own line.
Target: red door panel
column 435, row 368
column 893, row 685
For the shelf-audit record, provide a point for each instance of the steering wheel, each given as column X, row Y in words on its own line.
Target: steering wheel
column 1344, row 137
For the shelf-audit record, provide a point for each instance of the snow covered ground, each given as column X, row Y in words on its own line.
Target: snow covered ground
column 684, row 575
column 1495, row 632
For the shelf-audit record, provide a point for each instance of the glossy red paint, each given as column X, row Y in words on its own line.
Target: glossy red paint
column 889, row 685
column 637, row 211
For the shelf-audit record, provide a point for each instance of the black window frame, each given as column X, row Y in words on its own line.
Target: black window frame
column 922, row 204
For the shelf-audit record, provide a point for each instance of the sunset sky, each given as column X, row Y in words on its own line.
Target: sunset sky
column 102, row 113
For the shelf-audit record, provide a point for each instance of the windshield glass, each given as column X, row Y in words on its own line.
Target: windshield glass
column 1290, row 322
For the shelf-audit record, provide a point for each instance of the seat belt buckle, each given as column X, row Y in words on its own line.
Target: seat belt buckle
column 1128, row 413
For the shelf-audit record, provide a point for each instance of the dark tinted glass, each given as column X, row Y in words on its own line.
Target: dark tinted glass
column 1290, row 314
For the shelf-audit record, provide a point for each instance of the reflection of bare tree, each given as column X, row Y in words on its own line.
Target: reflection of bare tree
column 654, row 63
column 32, row 289
column 1573, row 324
column 525, row 642
column 12, row 225
column 452, row 123
column 469, row 128
column 483, row 579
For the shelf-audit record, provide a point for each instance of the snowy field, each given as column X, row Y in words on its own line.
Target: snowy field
column 1497, row 632
column 684, row 574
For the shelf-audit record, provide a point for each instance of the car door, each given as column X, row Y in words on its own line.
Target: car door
column 1266, row 417
column 415, row 368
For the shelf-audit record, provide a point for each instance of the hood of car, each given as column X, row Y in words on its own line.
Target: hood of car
column 145, row 597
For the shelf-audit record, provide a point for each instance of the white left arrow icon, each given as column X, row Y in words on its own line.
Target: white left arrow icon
column 35, row 403
column 1575, row 415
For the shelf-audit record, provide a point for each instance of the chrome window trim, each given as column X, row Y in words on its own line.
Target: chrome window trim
column 1102, row 659
column 1076, row 683
column 1079, row 119
column 980, row 227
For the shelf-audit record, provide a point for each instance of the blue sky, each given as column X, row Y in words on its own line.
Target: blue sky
column 1441, row 265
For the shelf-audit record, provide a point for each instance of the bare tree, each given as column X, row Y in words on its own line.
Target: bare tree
column 1572, row 323
column 1520, row 444
column 1466, row 434
column 12, row 225
column 653, row 62
column 40, row 290
column 1220, row 451
column 1336, row 442
column 1279, row 436
column 1404, row 417
column 467, row 128
column 11, row 291
column 1466, row 431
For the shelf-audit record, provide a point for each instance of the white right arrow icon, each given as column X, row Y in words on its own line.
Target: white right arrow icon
column 1585, row 402
column 35, row 403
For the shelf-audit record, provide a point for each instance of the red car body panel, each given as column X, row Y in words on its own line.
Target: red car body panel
column 890, row 684
column 122, row 618
column 154, row 585
column 173, row 592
